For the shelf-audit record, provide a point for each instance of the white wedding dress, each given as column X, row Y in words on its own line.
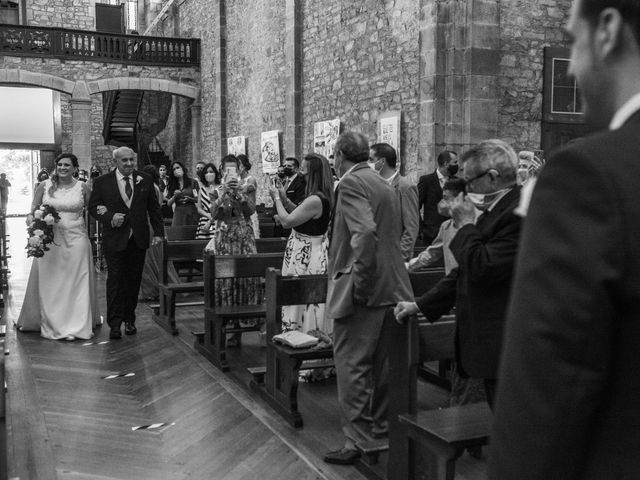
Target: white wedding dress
column 60, row 300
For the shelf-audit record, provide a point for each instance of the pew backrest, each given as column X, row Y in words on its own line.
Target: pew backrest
column 422, row 281
column 182, row 232
column 179, row 251
column 271, row 245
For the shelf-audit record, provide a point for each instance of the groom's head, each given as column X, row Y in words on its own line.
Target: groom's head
column 125, row 159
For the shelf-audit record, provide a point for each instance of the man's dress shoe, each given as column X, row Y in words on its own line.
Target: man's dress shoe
column 115, row 334
column 344, row 456
column 130, row 328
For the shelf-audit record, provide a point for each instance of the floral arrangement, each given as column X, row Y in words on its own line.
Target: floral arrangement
column 41, row 230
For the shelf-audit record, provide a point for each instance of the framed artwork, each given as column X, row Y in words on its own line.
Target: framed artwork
column 270, row 148
column 325, row 135
column 389, row 131
column 236, row 145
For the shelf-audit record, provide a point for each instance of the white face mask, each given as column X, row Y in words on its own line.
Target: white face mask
column 483, row 201
column 210, row 177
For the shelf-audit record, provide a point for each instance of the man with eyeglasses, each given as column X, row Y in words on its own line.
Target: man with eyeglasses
column 486, row 252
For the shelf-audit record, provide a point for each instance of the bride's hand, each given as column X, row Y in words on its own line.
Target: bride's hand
column 29, row 219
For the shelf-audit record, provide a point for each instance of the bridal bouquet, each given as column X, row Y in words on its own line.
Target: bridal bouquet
column 40, row 230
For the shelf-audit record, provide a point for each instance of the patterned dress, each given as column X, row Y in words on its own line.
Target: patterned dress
column 306, row 254
column 206, row 227
column 234, row 236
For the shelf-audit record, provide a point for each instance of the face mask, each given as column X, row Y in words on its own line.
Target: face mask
column 483, row 201
column 444, row 208
column 178, row 172
column 453, row 169
column 288, row 171
column 210, row 177
column 373, row 166
column 280, row 175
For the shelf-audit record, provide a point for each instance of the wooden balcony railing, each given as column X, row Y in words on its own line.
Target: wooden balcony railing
column 21, row 40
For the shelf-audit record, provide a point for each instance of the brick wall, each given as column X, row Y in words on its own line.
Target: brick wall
column 73, row 14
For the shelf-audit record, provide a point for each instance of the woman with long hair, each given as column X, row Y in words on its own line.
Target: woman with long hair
column 306, row 252
column 182, row 192
column 209, row 181
column 60, row 300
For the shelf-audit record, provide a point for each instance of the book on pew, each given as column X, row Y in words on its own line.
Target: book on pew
column 295, row 339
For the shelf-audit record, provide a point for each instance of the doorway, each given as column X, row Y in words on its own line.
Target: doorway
column 21, row 168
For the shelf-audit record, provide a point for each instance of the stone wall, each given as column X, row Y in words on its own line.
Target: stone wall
column 73, row 14
column 360, row 58
column 521, row 65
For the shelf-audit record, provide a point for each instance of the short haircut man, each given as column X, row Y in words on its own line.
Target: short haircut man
column 567, row 404
column 386, row 152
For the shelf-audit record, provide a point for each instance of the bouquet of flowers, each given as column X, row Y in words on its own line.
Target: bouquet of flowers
column 40, row 230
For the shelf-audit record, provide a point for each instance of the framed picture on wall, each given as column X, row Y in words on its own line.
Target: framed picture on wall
column 325, row 135
column 270, row 148
column 236, row 145
column 389, row 131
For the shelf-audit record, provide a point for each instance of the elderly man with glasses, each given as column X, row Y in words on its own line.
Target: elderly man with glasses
column 486, row 252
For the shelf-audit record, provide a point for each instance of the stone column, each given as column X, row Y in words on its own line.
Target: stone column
column 196, row 123
column 81, row 124
column 221, row 82
column 293, row 59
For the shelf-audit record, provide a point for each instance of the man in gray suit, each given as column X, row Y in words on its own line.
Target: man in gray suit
column 383, row 159
column 366, row 276
column 568, row 405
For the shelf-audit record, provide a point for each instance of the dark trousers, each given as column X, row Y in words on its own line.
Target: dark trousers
column 124, row 274
column 490, row 386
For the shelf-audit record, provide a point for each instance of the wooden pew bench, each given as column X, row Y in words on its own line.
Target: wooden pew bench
column 425, row 444
column 277, row 382
column 176, row 251
column 212, row 344
column 190, row 251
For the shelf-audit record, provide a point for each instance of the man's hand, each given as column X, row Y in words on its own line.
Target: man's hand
column 117, row 220
column 405, row 309
column 463, row 211
column 156, row 240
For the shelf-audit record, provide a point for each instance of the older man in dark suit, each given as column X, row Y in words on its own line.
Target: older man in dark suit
column 430, row 193
column 486, row 252
column 366, row 276
column 568, row 406
column 124, row 201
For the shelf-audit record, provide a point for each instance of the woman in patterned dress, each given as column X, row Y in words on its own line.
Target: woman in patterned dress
column 306, row 252
column 209, row 180
column 232, row 211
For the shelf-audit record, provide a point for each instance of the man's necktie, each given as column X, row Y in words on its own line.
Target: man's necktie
column 127, row 187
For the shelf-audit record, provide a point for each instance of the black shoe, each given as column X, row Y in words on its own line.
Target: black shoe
column 115, row 334
column 130, row 328
column 344, row 456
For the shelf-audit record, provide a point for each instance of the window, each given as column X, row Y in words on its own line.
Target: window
column 132, row 15
column 565, row 97
column 9, row 12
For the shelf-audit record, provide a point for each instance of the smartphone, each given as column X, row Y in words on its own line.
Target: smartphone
column 231, row 172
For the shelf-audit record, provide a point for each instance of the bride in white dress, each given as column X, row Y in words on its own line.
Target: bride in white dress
column 60, row 300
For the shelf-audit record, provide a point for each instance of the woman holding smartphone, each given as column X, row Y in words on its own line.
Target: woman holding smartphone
column 182, row 192
column 232, row 211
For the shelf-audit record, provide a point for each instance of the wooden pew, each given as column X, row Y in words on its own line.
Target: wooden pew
column 176, row 251
column 213, row 343
column 189, row 251
column 278, row 382
column 425, row 444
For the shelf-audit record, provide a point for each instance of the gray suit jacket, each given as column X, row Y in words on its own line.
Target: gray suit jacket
column 364, row 254
column 407, row 193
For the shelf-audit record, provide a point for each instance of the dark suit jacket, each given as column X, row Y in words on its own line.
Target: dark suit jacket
column 479, row 287
column 144, row 202
column 568, row 406
column 296, row 191
column 364, row 254
column 429, row 194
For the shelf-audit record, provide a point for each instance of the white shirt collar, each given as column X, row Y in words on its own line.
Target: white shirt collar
column 625, row 112
column 441, row 177
column 392, row 177
column 121, row 176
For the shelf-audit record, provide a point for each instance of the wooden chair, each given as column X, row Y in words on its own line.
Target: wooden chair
column 277, row 383
column 212, row 344
column 425, row 444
